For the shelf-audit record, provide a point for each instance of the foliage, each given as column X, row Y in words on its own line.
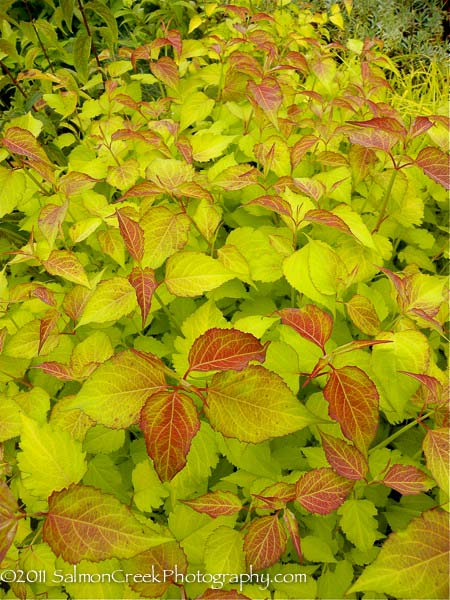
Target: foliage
column 223, row 318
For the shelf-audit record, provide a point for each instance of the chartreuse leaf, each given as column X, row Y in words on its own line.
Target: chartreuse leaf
column 191, row 274
column 12, row 188
column 66, row 264
column 111, row 300
column 149, row 492
column 254, row 405
column 358, row 523
column 224, row 551
column 11, row 423
column 117, row 390
column 216, row 504
column 412, row 563
column 97, row 586
column 50, row 459
column 436, row 450
column 165, row 232
column 84, row 523
column 254, row 245
column 196, row 107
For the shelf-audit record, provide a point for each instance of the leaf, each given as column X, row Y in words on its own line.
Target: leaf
column 213, row 594
column 110, row 301
column 292, row 527
column 46, row 326
column 8, row 519
column 435, row 163
column 65, row 264
column 345, row 459
column 50, row 459
column 169, row 421
column 407, row 480
column 117, row 390
column 216, row 504
column 164, row 561
column 166, row 70
column 264, row 542
column 254, row 405
column 144, row 284
column 412, row 563
column 273, row 203
column 75, row 183
column 50, row 220
column 132, row 234
column 267, row 95
column 81, row 55
column 123, row 176
column 84, row 523
column 224, row 349
column 363, row 314
column 196, row 107
column 436, row 449
column 236, row 177
column 191, row 274
column 353, row 403
column 326, row 217
column 358, row 523
column 22, row 142
column 164, row 234
column 311, row 322
column 321, row 491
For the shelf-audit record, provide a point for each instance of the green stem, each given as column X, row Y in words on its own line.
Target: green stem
column 167, row 313
column 387, row 195
column 400, row 432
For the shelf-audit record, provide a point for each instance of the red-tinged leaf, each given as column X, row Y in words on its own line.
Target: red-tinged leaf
column 310, row 187
column 321, row 491
column 211, row 594
column 191, row 189
column 298, row 61
column 436, row 448
column 275, row 496
column 225, row 349
column 65, row 264
column 184, row 146
column 84, row 523
column 45, row 169
column 311, row 322
column 245, row 63
column 50, row 220
column 132, row 235
column 436, row 164
column 363, row 314
column 273, row 203
column 419, row 126
column 144, row 283
column 216, row 504
column 361, row 161
column 22, row 142
column 433, row 385
column 353, row 403
column 166, row 70
column 396, row 280
column 331, row 159
column 292, row 527
column 164, row 561
column 407, row 480
column 387, row 124
column 237, row 177
column 264, row 542
column 326, row 217
column 345, row 459
column 46, row 326
column 75, row 302
column 56, row 369
column 8, row 519
column 169, row 421
column 147, row 188
column 267, row 95
column 301, row 147
column 44, row 294
column 374, row 138
column 75, row 183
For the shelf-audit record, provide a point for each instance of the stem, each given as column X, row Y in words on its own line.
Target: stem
column 385, row 201
column 167, row 313
column 50, row 64
column 88, row 31
column 400, row 432
column 13, row 79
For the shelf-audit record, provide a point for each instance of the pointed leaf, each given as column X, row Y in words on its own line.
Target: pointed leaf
column 50, row 220
column 216, row 504
column 345, row 459
column 321, row 491
column 224, row 349
column 65, row 264
column 407, row 480
column 164, row 233
column 267, row 95
column 8, row 519
column 45, row 295
column 273, row 203
column 435, row 163
column 433, row 385
column 254, row 405
column 22, row 142
column 413, row 562
column 110, row 301
column 117, row 390
column 75, row 183
column 292, row 527
column 57, row 370
column 301, row 147
column 326, row 217
column 166, row 70
column 144, row 284
column 132, row 234
column 359, row 524
column 353, row 403
column 275, row 496
column 311, row 322
column 363, row 314
column 190, row 274
column 84, row 523
column 436, row 449
column 264, row 542
column 169, row 421
column 236, row 177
